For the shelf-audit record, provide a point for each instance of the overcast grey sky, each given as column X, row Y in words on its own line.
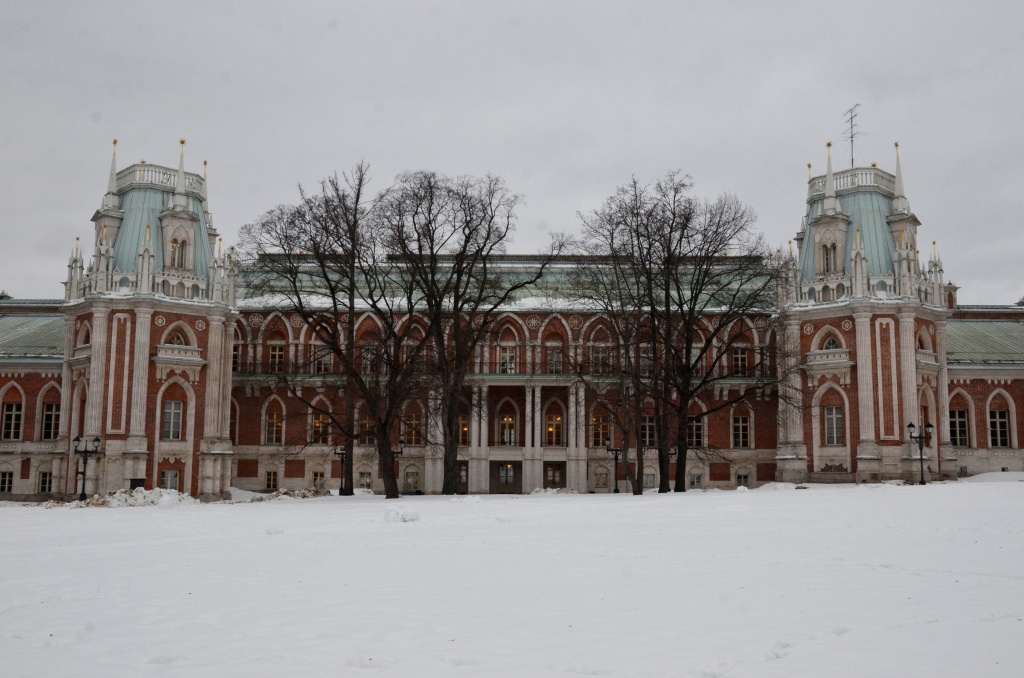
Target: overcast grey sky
column 565, row 100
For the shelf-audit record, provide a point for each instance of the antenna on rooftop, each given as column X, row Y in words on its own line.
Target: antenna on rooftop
column 851, row 118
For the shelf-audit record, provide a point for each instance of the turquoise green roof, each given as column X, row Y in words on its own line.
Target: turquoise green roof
column 31, row 335
column 867, row 211
column 143, row 206
column 985, row 341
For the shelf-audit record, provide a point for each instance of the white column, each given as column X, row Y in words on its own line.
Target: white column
column 943, row 399
column 214, row 374
column 908, row 371
column 98, row 353
column 865, row 378
column 140, row 379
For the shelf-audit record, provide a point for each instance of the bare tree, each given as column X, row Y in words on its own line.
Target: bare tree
column 687, row 278
column 327, row 261
column 449, row 234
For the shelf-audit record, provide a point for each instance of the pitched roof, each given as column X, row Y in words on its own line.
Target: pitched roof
column 35, row 335
column 985, row 341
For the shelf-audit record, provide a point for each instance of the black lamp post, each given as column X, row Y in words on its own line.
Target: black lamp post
column 85, row 453
column 340, row 451
column 614, row 451
column 922, row 440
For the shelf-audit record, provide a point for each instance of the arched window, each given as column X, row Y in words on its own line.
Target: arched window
column 998, row 422
column 12, row 415
column 273, row 423
column 830, row 343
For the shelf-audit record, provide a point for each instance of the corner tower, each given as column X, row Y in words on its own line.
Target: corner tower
column 866, row 321
column 147, row 360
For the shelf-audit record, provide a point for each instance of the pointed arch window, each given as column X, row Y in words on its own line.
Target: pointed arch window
column 830, row 344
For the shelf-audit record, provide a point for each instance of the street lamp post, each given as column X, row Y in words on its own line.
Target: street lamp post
column 921, row 440
column 340, row 451
column 614, row 451
column 85, row 453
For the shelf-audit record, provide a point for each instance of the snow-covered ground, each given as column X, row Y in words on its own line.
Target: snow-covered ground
column 871, row 580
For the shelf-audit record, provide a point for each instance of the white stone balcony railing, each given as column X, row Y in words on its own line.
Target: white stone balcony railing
column 871, row 177
column 176, row 352
column 83, row 351
column 927, row 358
column 831, row 356
column 155, row 176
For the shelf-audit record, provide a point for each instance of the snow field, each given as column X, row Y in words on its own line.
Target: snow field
column 871, row 580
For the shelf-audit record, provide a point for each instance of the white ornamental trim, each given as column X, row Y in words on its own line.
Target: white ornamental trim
column 575, row 322
column 533, row 322
column 255, row 320
column 200, row 325
column 808, row 328
column 847, row 325
column 159, row 321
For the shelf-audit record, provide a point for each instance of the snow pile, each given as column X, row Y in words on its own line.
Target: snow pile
column 551, row 490
column 306, row 493
column 468, row 499
column 393, row 515
column 995, row 477
column 130, row 498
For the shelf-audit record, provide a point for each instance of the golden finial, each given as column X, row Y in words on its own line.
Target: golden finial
column 76, row 245
column 874, row 164
column 935, row 250
column 104, row 232
column 897, row 149
column 142, row 162
column 147, row 232
column 204, row 169
column 858, row 237
column 220, row 246
column 808, row 170
column 115, row 144
column 181, row 142
column 903, row 237
column 791, row 248
column 828, row 145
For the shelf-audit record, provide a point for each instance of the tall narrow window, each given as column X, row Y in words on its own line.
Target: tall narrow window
column 320, row 434
column 599, row 429
column 367, row 433
column 321, row 359
column 554, row 430
column 999, row 428
column 12, row 421
column 600, row 360
column 171, row 426
column 51, row 421
column 271, row 480
column 958, row 432
column 645, row 360
column 414, row 428
column 236, row 357
column 648, row 438
column 274, row 429
column 694, row 431
column 741, row 432
column 507, row 430
column 275, row 358
column 835, row 430
column 169, row 480
column 45, row 482
column 739, row 362
column 463, row 429
column 507, row 360
column 555, row 356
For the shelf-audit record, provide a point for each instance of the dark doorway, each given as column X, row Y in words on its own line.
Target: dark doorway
column 506, row 477
column 462, row 477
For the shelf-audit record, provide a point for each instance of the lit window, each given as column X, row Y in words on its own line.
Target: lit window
column 463, row 429
column 271, row 483
column 998, row 425
column 554, row 430
column 12, row 421
column 507, row 430
column 321, row 430
column 599, row 430
column 171, row 427
column 51, row 421
column 741, row 432
column 958, row 436
column 274, row 429
column 835, row 431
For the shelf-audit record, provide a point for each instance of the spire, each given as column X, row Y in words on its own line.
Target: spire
column 110, row 200
column 900, row 203
column 179, row 187
column 831, row 202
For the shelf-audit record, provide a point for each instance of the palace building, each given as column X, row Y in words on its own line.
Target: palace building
column 156, row 359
